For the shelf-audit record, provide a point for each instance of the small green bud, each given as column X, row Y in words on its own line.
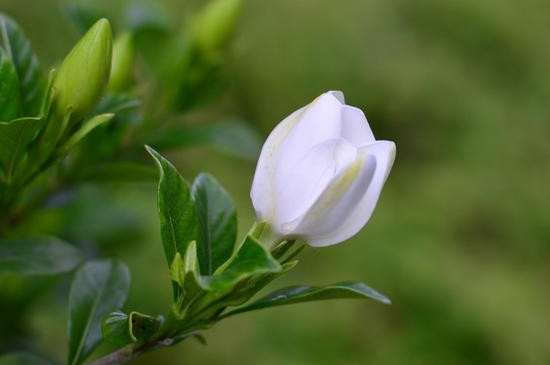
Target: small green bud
column 123, row 62
column 84, row 73
column 214, row 24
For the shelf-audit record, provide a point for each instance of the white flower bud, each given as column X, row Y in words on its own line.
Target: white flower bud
column 320, row 173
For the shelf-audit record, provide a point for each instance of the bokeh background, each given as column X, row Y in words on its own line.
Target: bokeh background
column 460, row 238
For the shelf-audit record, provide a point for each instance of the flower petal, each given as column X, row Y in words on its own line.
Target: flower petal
column 355, row 127
column 262, row 191
column 320, row 122
column 338, row 95
column 299, row 184
column 336, row 202
column 383, row 153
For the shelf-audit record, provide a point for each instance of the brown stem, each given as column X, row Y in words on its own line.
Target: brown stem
column 129, row 352
column 118, row 357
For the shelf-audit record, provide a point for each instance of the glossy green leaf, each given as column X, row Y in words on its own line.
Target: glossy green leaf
column 10, row 97
column 98, row 288
column 38, row 255
column 120, row 329
column 20, row 358
column 15, row 137
column 249, row 260
column 182, row 266
column 88, row 126
column 233, row 137
column 115, row 330
column 142, row 326
column 185, row 273
column 245, row 292
column 19, row 50
column 178, row 217
column 306, row 293
column 217, row 223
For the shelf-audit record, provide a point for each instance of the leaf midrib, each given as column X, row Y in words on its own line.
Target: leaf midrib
column 89, row 320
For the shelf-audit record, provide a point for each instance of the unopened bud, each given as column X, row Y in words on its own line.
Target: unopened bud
column 123, row 63
column 84, row 73
column 215, row 24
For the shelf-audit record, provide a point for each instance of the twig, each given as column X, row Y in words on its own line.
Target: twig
column 118, row 357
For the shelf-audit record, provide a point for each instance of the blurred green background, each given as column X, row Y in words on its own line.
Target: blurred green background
column 460, row 238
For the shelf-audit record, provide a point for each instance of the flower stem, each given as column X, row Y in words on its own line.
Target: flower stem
column 118, row 357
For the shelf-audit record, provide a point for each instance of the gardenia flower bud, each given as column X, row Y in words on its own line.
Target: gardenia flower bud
column 215, row 23
column 84, row 73
column 320, row 173
column 123, row 62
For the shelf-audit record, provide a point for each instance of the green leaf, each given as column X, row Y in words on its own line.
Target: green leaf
column 306, row 293
column 15, row 137
column 185, row 273
column 10, row 97
column 114, row 329
column 233, row 137
column 217, row 223
column 98, row 288
column 178, row 217
column 88, row 126
column 249, row 260
column 120, row 329
column 39, row 255
column 142, row 326
column 19, row 50
column 245, row 292
column 20, row 358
